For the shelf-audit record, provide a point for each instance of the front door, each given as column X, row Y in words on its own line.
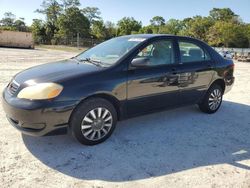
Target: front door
column 154, row 84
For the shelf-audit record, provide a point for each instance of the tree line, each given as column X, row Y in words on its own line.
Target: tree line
column 65, row 19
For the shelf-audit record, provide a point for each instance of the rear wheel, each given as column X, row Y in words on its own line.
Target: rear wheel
column 93, row 121
column 212, row 100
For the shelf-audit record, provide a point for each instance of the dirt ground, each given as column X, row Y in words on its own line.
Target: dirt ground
column 177, row 148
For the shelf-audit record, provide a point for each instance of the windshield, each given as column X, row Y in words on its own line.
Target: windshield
column 109, row 52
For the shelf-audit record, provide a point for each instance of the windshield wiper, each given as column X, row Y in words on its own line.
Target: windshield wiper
column 93, row 61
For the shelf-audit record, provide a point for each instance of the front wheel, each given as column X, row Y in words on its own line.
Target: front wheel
column 212, row 100
column 93, row 121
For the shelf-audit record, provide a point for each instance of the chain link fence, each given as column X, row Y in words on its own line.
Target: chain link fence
column 239, row 54
column 78, row 42
column 239, row 51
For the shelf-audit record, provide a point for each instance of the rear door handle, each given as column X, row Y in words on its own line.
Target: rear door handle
column 174, row 71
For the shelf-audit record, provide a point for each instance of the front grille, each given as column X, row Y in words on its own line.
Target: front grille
column 13, row 87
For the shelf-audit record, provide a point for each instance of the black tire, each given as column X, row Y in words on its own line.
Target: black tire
column 81, row 112
column 204, row 104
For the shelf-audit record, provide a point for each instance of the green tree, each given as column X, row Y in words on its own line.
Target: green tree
column 103, row 31
column 39, row 31
column 128, row 25
column 20, row 25
column 70, row 3
column 157, row 21
column 8, row 20
column 228, row 34
column 197, row 27
column 72, row 22
column 52, row 10
column 110, row 30
column 247, row 32
column 92, row 13
column 173, row 26
column 64, row 20
column 98, row 29
column 223, row 14
column 147, row 29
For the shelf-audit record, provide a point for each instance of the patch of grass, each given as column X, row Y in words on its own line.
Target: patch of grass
column 61, row 47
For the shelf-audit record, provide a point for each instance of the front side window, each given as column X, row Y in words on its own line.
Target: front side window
column 158, row 53
column 191, row 52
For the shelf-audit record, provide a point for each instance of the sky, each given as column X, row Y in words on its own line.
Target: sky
column 141, row 10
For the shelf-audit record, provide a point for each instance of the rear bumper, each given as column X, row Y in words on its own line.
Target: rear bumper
column 229, row 84
column 37, row 118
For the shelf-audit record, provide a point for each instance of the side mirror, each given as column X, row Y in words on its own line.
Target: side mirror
column 140, row 62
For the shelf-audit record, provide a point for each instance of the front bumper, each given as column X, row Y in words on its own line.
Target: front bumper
column 37, row 118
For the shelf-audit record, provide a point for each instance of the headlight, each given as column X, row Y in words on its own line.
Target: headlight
column 41, row 91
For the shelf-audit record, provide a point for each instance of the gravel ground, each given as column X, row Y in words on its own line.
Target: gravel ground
column 177, row 148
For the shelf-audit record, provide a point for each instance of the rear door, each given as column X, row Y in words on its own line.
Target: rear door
column 195, row 70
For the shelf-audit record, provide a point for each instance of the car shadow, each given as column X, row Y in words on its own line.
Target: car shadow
column 153, row 145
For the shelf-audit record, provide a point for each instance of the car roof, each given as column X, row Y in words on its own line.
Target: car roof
column 151, row 36
column 147, row 36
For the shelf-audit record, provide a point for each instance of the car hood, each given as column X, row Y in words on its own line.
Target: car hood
column 56, row 71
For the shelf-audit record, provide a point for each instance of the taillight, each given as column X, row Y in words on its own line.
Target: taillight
column 229, row 71
column 232, row 65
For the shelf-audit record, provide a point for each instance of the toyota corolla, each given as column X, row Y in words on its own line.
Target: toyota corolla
column 117, row 79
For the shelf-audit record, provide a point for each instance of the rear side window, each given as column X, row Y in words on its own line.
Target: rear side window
column 191, row 52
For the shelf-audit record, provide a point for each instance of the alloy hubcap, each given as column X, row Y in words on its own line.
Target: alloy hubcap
column 215, row 99
column 96, row 124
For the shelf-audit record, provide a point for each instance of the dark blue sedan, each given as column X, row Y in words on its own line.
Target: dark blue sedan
column 120, row 78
